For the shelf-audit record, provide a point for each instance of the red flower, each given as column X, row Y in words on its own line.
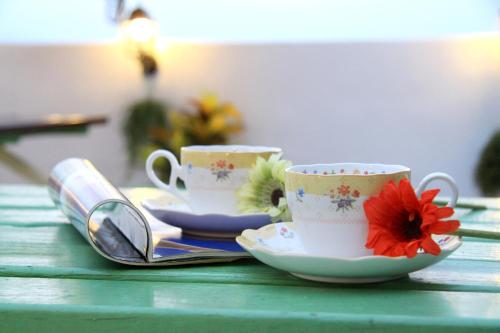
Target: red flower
column 231, row 166
column 355, row 193
column 344, row 190
column 399, row 224
column 221, row 164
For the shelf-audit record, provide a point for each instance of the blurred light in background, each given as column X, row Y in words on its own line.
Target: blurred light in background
column 139, row 34
column 140, row 31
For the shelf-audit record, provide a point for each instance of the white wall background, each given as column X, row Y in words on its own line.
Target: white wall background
column 429, row 105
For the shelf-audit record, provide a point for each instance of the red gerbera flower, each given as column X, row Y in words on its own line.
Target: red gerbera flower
column 400, row 224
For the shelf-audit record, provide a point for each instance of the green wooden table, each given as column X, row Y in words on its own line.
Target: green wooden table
column 52, row 281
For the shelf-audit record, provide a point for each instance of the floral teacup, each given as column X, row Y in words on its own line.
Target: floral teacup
column 212, row 174
column 326, row 203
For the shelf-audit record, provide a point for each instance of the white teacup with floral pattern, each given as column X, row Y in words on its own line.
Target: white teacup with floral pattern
column 326, row 203
column 212, row 174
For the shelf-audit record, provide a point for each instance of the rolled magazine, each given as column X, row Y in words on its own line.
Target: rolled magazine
column 119, row 229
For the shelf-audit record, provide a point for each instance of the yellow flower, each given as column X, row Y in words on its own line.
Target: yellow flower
column 208, row 103
column 230, row 110
column 217, row 123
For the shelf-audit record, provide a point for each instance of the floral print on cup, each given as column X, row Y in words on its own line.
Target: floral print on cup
column 221, row 169
column 286, row 233
column 344, row 197
column 299, row 194
column 340, row 172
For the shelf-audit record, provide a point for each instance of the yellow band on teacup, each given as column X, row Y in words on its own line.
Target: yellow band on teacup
column 323, row 184
column 206, row 159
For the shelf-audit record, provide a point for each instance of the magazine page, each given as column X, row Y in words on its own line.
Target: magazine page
column 120, row 229
column 100, row 212
column 169, row 241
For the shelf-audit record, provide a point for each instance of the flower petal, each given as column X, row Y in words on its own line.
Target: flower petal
column 408, row 196
column 428, row 196
column 444, row 212
column 444, row 227
column 428, row 218
column 383, row 248
column 397, row 250
column 411, row 249
column 390, row 194
column 430, row 246
column 380, row 212
column 373, row 236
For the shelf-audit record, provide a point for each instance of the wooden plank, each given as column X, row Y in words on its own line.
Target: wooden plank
column 487, row 220
column 477, row 249
column 21, row 202
column 26, row 191
column 30, row 217
column 60, row 252
column 99, row 305
column 107, row 319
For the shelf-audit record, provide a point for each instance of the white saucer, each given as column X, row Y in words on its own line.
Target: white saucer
column 278, row 245
column 172, row 211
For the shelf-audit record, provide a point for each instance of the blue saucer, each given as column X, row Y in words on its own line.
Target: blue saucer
column 206, row 225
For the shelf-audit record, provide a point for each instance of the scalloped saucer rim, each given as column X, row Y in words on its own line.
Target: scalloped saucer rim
column 264, row 244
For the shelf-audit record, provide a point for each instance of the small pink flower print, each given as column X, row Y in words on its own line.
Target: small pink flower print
column 285, row 233
column 231, row 166
column 355, row 194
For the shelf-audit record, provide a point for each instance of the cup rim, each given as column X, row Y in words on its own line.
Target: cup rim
column 233, row 149
column 297, row 169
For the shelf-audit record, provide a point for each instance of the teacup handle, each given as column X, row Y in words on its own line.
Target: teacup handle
column 176, row 173
column 440, row 176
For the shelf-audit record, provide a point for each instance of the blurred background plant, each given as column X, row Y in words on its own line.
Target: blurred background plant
column 488, row 168
column 151, row 125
